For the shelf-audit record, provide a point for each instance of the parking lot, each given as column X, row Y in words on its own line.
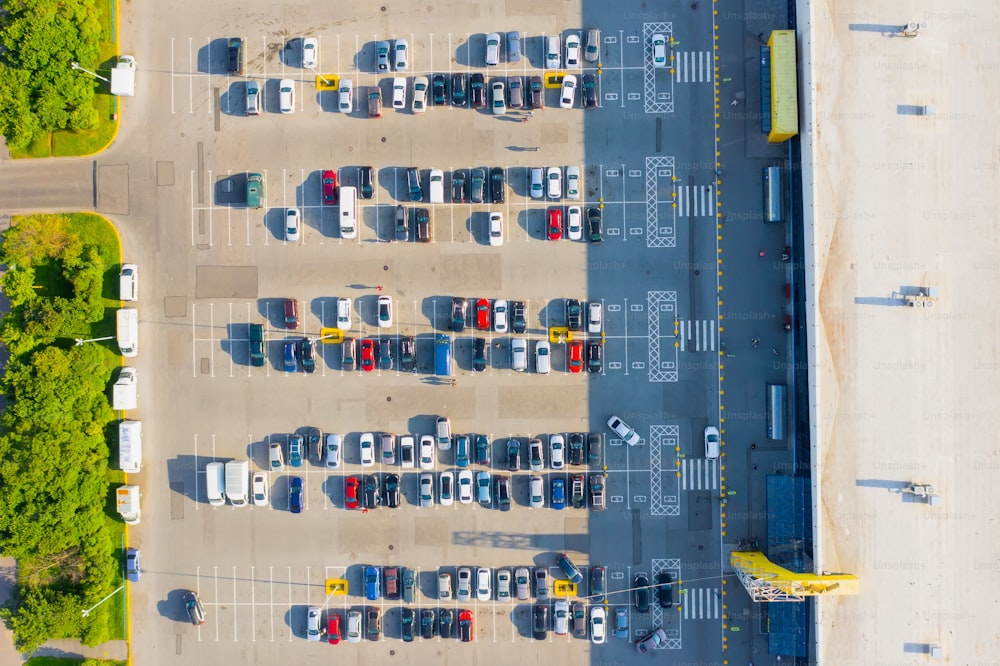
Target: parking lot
column 221, row 266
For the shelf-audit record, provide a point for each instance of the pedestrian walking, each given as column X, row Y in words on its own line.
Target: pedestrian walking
column 454, row 383
column 754, row 445
column 524, row 120
column 755, row 467
column 762, row 253
column 531, row 113
column 734, row 102
column 755, row 342
column 775, row 352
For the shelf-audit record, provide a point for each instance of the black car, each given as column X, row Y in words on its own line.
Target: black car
column 373, row 624
column 384, row 354
column 574, row 314
column 540, row 622
column 477, row 185
column 477, row 87
column 641, row 586
column 459, row 312
column 597, row 575
column 575, row 447
column 413, row 184
column 366, row 182
column 513, row 455
column 518, row 316
column 314, row 443
column 589, row 85
column 406, row 615
column 536, row 93
column 439, row 89
column 307, row 354
column 235, row 56
column 496, row 185
column 446, row 623
column 371, row 491
column 407, row 354
column 595, row 362
column 479, row 354
column 427, row 628
column 502, row 491
column 595, row 448
column 458, row 187
column 390, row 490
column 483, row 450
column 458, row 89
column 595, row 229
column 665, row 589
column 402, row 232
column 422, row 225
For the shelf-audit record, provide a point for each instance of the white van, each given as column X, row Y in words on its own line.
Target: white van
column 128, row 331
column 127, row 502
column 519, row 354
column 215, row 483
column 130, row 446
column 128, row 283
column 437, row 186
column 238, row 482
column 348, row 212
column 543, row 357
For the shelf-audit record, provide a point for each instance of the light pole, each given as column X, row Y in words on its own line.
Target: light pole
column 76, row 65
column 80, row 341
column 120, row 588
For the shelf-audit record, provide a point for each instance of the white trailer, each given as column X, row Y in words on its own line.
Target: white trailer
column 238, row 482
column 123, row 77
column 130, row 446
column 128, row 504
column 124, row 393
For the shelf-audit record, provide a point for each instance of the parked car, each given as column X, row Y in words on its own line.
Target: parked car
column 479, row 354
column 291, row 358
column 329, row 182
column 426, row 491
column 569, row 569
column 462, row 450
column 553, row 180
column 595, row 228
column 575, row 446
column 314, row 631
column 366, row 180
column 595, row 362
column 540, row 622
column 307, row 355
column 296, row 498
column 598, row 574
column 483, row 489
column 345, row 96
column 133, row 558
column 578, row 619
column 567, row 96
column 541, row 583
column 592, row 47
column 195, row 610
column 458, row 186
column 574, row 356
column 483, row 450
column 390, row 490
column 286, row 96
column 621, row 622
column 588, row 86
column 597, row 495
column 382, row 56
column 513, row 454
column 477, row 90
column 557, row 451
column 372, row 492
column 503, row 584
column 444, row 585
column 496, row 229
column 332, row 447
column 513, row 47
column 458, row 89
column 498, row 98
column 296, row 450
column 665, row 589
column 477, row 185
column 497, row 185
column 426, row 453
column 446, row 488
column 401, row 55
column 406, row 624
column 367, row 446
column 459, row 313
column 253, row 101
column 483, row 314
column 446, row 622
column 427, row 624
column 347, row 354
column 439, row 89
column 413, row 184
column 463, row 586
column 374, row 103
column 333, row 634
column 577, row 494
column 595, row 448
column 560, row 617
column 554, row 228
column 293, row 225
column 640, row 587
column 310, row 52
column 574, row 223
column 442, row 427
column 598, row 625
column 500, row 315
column 484, row 584
column 515, row 92
column 558, row 494
column 373, row 583
column 492, row 56
column 658, row 43
column 518, row 316
column 624, row 430
column 407, row 354
column 572, row 50
column 373, row 623
column 465, row 484
column 651, row 641
column 258, row 490
column 352, row 492
column 420, row 85
column 522, row 583
column 407, row 458
column 536, row 455
column 536, row 93
column 503, row 492
column 466, row 631
column 353, row 626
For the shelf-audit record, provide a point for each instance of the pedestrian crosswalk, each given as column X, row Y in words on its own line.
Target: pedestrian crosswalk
column 693, row 67
column 697, row 335
column 701, row 603
column 699, row 474
column 695, row 201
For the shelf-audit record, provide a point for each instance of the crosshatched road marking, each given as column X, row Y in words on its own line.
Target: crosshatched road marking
column 655, row 102
column 662, row 367
column 659, row 170
column 663, row 440
column 672, row 565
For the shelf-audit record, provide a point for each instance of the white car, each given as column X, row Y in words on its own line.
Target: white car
column 426, row 491
column 537, row 182
column 543, row 357
column 659, row 44
column 399, row 92
column 560, row 617
column 496, row 229
column 567, row 96
column 499, row 98
column 536, row 455
column 557, row 451
column 333, row 446
column 574, row 223
column 345, row 96
column 500, row 315
column 442, row 426
column 572, row 182
column 624, row 430
column 313, row 617
column 367, row 449
column 444, row 585
column 484, row 584
column 286, row 96
column 344, row 314
column 503, row 584
column 406, row 447
column 426, row 452
column 492, row 49
column 259, row 488
column 276, row 458
column 553, row 178
column 598, row 624
column 572, row 50
column 552, row 55
column 536, row 492
column 385, row 311
column 711, row 442
column 353, row 626
column 420, row 84
column 253, row 98
column 465, row 484
column 463, row 591
column 293, row 225
column 401, row 57
column 594, row 317
column 310, row 52
column 446, row 488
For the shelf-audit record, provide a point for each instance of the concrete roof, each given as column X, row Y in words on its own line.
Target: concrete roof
column 900, row 393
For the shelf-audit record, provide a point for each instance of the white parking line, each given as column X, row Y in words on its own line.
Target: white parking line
column 215, row 580
column 289, row 601
column 270, row 604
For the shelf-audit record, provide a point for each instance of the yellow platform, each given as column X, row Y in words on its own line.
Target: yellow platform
column 560, row 334
column 563, row 588
column 331, row 336
column 327, row 82
column 336, row 586
column 554, row 79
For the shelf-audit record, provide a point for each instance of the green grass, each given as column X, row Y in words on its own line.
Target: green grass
column 71, row 144
column 69, row 661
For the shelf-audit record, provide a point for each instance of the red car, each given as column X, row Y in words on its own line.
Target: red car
column 575, row 356
column 367, row 355
column 351, row 486
column 483, row 314
column 466, row 629
column 330, row 188
column 291, row 314
column 333, row 626
column 555, row 224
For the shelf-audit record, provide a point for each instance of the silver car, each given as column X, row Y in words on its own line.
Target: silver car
column 515, row 92
column 353, row 626
column 560, row 617
column 522, row 583
column 333, row 445
column 253, row 98
column 313, row 618
column 382, row 56
column 464, row 587
column 503, row 584
column 444, row 585
column 426, row 491
column 484, row 584
column 388, row 448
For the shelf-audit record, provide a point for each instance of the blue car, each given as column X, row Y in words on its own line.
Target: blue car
column 621, row 623
column 295, row 450
column 295, row 496
column 569, row 569
column 462, row 450
column 133, row 570
column 558, row 493
column 372, row 583
column 291, row 363
column 513, row 47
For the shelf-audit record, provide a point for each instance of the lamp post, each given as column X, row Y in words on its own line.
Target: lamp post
column 80, row 341
column 87, row 612
column 76, row 65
